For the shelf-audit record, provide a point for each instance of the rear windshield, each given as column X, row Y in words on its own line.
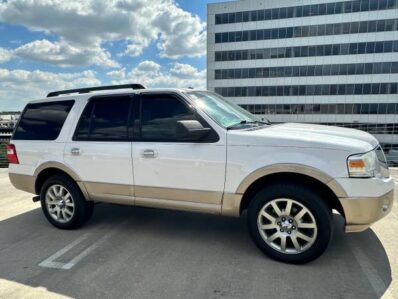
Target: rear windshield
column 42, row 121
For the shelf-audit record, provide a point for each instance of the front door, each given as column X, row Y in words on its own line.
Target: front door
column 170, row 173
column 100, row 152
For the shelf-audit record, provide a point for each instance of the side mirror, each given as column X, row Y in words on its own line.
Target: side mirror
column 190, row 130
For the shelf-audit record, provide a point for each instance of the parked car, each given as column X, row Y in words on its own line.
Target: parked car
column 193, row 150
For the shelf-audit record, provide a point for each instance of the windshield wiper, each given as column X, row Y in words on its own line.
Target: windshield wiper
column 243, row 122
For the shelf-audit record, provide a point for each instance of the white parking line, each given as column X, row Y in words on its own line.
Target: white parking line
column 86, row 251
column 370, row 272
column 51, row 262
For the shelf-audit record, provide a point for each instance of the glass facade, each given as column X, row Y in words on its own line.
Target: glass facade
column 309, row 90
column 346, row 52
column 370, row 47
column 346, row 108
column 305, row 11
column 307, row 31
column 308, row 70
column 372, row 128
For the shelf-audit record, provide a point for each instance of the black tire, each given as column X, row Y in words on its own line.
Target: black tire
column 309, row 199
column 83, row 209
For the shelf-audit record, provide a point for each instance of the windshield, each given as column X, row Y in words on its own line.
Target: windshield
column 222, row 111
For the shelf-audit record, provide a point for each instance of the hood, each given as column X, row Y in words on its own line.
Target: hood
column 306, row 135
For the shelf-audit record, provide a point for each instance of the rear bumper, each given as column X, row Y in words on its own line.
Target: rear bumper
column 361, row 212
column 23, row 182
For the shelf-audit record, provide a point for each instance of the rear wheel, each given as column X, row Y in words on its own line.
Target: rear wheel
column 63, row 203
column 290, row 223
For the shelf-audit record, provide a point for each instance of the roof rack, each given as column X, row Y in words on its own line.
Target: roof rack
column 89, row 89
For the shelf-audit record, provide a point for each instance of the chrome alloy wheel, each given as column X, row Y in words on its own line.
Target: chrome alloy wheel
column 59, row 203
column 287, row 226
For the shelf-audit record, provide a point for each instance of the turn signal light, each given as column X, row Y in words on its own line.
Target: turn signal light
column 356, row 163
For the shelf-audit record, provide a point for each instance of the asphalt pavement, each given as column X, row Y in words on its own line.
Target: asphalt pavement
column 131, row 252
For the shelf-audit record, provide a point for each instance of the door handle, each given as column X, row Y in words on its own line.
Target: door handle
column 75, row 151
column 149, row 153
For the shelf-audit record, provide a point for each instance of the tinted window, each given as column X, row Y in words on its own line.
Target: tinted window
column 159, row 116
column 105, row 119
column 305, row 11
column 42, row 121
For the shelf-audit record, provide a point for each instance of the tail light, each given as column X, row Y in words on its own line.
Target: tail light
column 12, row 154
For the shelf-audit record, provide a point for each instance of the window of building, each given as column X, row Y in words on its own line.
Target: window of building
column 305, row 11
column 304, row 31
column 330, row 8
column 275, row 13
column 283, row 13
column 224, row 18
column 365, row 4
column 320, row 50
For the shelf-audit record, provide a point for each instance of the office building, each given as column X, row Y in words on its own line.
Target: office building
column 312, row 61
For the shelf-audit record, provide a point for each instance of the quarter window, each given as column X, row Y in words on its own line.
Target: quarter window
column 42, row 121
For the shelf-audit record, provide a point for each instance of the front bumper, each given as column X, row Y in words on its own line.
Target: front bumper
column 361, row 212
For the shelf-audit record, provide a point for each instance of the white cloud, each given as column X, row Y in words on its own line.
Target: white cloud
column 5, row 55
column 88, row 24
column 148, row 67
column 64, row 55
column 117, row 74
column 136, row 48
column 151, row 74
column 182, row 34
column 17, row 87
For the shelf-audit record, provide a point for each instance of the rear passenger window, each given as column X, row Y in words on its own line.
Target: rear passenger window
column 42, row 121
column 105, row 119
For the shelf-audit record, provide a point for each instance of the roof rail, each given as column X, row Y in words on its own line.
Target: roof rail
column 89, row 89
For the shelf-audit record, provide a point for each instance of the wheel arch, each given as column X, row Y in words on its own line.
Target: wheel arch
column 315, row 179
column 49, row 169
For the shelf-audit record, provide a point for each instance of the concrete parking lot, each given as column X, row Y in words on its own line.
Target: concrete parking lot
column 130, row 252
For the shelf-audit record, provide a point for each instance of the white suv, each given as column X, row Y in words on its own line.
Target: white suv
column 195, row 151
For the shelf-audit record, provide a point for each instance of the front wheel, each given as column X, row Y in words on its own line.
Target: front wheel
column 290, row 223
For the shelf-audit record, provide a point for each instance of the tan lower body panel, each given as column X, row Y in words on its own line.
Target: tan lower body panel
column 156, row 197
column 360, row 213
column 178, row 199
column 178, row 205
column 231, row 204
column 112, row 193
column 205, row 197
column 23, row 182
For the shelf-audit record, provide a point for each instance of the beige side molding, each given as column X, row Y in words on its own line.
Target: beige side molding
column 199, row 196
column 231, row 204
column 292, row 168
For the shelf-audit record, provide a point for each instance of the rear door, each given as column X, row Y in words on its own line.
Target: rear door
column 100, row 150
column 172, row 173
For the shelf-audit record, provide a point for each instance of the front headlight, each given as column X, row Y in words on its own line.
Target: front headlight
column 363, row 165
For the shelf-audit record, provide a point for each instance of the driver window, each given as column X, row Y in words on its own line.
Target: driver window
column 159, row 116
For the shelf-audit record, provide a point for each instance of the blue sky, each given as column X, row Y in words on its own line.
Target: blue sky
column 58, row 44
